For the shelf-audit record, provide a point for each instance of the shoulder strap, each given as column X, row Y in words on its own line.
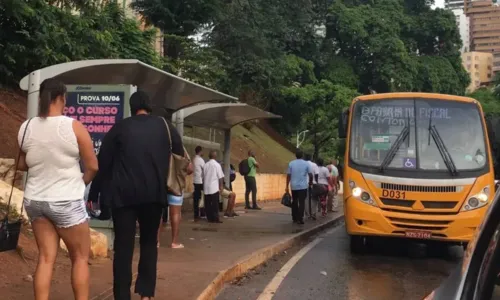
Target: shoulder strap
column 169, row 135
column 15, row 172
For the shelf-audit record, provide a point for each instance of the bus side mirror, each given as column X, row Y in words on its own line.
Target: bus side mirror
column 343, row 117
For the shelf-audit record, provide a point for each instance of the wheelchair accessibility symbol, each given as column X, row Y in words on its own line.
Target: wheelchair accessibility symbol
column 409, row 163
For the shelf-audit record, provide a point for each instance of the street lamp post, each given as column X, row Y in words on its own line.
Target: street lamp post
column 299, row 141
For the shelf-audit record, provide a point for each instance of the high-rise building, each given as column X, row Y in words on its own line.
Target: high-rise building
column 484, row 28
column 453, row 4
column 457, row 7
column 463, row 27
column 479, row 67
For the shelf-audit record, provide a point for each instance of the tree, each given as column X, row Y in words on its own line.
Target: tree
column 176, row 18
column 34, row 34
column 386, row 39
column 489, row 101
column 496, row 85
column 320, row 105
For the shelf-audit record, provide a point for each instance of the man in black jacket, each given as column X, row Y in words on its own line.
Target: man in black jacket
column 133, row 161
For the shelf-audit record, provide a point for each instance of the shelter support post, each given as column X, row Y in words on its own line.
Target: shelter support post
column 33, row 93
column 178, row 119
column 227, row 158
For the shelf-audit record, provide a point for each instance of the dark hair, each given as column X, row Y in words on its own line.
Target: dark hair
column 50, row 90
column 299, row 154
column 320, row 162
column 198, row 149
column 212, row 154
column 140, row 100
column 307, row 156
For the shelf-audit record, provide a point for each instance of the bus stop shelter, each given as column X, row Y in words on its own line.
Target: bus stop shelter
column 166, row 90
column 222, row 116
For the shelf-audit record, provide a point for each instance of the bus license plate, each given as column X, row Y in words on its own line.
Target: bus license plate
column 393, row 194
column 418, row 234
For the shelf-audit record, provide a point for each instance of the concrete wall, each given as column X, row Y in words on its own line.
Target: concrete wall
column 269, row 187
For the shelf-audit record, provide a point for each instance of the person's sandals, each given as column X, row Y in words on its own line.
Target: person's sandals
column 177, row 246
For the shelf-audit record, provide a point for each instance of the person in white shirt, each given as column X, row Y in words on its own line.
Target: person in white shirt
column 51, row 147
column 313, row 203
column 198, row 164
column 331, row 202
column 212, row 187
column 324, row 180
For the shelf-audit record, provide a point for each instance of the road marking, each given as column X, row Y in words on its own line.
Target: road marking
column 275, row 283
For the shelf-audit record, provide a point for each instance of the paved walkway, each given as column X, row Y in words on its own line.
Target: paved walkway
column 209, row 248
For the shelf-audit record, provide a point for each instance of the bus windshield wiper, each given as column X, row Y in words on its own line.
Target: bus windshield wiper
column 445, row 154
column 395, row 147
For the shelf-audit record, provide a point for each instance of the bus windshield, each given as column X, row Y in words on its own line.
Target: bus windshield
column 378, row 124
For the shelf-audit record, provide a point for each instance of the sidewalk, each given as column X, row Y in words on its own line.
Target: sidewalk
column 209, row 249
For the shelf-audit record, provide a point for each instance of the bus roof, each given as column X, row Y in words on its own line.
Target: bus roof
column 415, row 95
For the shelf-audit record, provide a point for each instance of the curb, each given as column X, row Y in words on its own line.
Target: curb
column 261, row 256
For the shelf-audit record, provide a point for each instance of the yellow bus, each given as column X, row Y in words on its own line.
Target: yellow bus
column 416, row 166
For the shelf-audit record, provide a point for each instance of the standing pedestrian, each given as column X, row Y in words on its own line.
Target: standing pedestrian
column 250, row 182
column 134, row 161
column 334, row 173
column 212, row 187
column 312, row 200
column 198, row 164
column 51, row 146
column 324, row 180
column 298, row 179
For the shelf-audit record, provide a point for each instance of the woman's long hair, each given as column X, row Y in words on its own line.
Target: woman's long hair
column 50, row 90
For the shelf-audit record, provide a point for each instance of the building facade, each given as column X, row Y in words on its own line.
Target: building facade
column 479, row 65
column 453, row 4
column 484, row 28
column 463, row 27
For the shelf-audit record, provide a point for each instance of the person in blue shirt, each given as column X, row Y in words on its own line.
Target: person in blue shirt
column 299, row 179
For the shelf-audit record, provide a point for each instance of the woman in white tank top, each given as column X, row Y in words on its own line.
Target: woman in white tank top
column 51, row 151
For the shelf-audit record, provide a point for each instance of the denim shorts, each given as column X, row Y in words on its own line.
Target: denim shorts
column 174, row 200
column 63, row 214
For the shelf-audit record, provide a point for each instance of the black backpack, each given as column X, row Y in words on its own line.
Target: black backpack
column 244, row 167
column 232, row 175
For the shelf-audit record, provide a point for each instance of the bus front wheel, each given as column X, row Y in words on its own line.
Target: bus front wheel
column 358, row 244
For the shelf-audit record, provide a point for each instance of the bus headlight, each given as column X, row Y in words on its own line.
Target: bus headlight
column 356, row 192
column 477, row 201
column 361, row 194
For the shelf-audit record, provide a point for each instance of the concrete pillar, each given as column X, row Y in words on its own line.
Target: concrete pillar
column 33, row 93
column 227, row 157
column 178, row 119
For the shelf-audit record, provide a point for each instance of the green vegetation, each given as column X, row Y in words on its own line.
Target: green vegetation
column 302, row 59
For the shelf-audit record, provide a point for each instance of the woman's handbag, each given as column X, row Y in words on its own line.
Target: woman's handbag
column 178, row 169
column 9, row 232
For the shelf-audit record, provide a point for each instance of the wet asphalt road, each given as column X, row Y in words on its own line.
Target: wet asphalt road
column 393, row 270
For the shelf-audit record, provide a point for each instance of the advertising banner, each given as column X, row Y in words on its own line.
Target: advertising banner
column 98, row 111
